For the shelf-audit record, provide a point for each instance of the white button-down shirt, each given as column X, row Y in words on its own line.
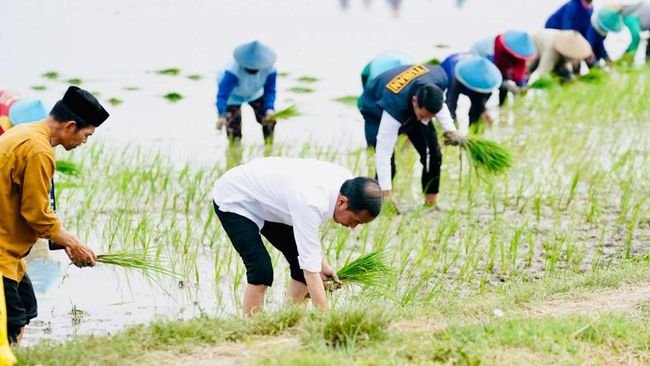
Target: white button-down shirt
column 301, row 193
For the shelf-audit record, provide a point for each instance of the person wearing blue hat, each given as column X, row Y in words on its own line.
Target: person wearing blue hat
column 511, row 51
column 25, row 180
column 575, row 14
column 15, row 110
column 475, row 77
column 249, row 78
column 404, row 99
column 602, row 22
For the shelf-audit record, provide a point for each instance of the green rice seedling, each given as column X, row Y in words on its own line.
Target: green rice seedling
column 195, row 77
column 74, row 81
column 138, row 261
column 369, row 270
column 131, row 88
column 307, row 79
column 283, row 74
column 68, row 167
column 350, row 100
column 441, row 45
column 115, row 101
column 39, row 87
column 286, row 113
column 301, row 90
column 487, row 156
column 50, row 75
column 595, row 75
column 433, row 61
column 173, row 97
column 172, row 71
column 545, row 82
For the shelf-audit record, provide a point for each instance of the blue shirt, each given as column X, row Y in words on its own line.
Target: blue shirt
column 572, row 15
column 393, row 91
column 236, row 86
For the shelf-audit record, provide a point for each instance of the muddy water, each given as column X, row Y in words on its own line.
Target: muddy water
column 112, row 46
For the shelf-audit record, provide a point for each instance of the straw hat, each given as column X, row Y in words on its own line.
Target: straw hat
column 572, row 44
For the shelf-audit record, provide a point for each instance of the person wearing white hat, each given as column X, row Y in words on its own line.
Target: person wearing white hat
column 559, row 51
column 249, row 78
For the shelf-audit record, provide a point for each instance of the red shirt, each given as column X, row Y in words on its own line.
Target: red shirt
column 511, row 67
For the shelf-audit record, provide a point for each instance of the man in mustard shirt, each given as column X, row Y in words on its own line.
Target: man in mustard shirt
column 26, row 168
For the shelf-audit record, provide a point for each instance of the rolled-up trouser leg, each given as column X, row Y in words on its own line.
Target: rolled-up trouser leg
column 233, row 122
column 268, row 126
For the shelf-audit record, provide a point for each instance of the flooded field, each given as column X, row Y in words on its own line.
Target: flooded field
column 575, row 200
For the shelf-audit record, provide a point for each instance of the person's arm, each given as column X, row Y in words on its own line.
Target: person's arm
column 36, row 210
column 269, row 91
column 477, row 107
column 226, row 86
column 386, row 140
column 444, row 117
column 306, row 221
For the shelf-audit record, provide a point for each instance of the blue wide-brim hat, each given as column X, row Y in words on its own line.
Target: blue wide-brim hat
column 26, row 110
column 387, row 61
column 254, row 55
column 478, row 74
column 607, row 20
column 520, row 44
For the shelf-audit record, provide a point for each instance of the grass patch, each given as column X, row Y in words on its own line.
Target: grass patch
column 348, row 328
column 51, row 75
column 301, row 90
column 115, row 101
column 172, row 71
column 74, row 81
column 307, row 79
column 173, row 97
column 350, row 100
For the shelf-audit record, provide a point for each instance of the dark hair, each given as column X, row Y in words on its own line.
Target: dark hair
column 363, row 194
column 430, row 97
column 61, row 113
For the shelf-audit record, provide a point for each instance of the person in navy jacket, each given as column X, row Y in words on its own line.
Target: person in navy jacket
column 249, row 78
column 403, row 100
column 576, row 15
column 475, row 77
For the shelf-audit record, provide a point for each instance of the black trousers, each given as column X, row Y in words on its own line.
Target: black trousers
column 21, row 305
column 233, row 120
column 245, row 237
column 425, row 141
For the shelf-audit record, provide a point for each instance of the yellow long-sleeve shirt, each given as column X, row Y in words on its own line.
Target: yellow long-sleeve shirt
column 26, row 168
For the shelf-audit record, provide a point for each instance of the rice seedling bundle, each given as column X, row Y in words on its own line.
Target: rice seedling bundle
column 487, row 156
column 368, row 270
column 68, row 168
column 139, row 261
column 545, row 82
column 286, row 113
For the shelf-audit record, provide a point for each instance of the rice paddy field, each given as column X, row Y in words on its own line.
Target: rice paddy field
column 546, row 263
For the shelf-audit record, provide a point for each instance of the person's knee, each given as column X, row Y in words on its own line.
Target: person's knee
column 261, row 274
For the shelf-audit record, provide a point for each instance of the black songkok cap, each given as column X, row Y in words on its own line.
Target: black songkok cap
column 84, row 105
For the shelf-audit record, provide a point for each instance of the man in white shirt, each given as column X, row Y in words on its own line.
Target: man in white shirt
column 286, row 200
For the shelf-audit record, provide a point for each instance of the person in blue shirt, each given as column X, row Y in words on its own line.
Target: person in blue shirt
column 605, row 20
column 404, row 99
column 575, row 14
column 475, row 77
column 249, row 78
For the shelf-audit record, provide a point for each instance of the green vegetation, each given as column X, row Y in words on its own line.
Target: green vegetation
column 39, row 87
column 173, row 97
column 301, row 90
column 171, row 71
column 476, row 281
column 140, row 261
column 487, row 156
column 131, row 88
column 74, row 81
column 115, row 101
column 286, row 113
column 68, row 167
column 50, row 75
column 368, row 270
column 307, row 79
column 433, row 61
column 350, row 100
column 545, row 82
column 195, row 77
